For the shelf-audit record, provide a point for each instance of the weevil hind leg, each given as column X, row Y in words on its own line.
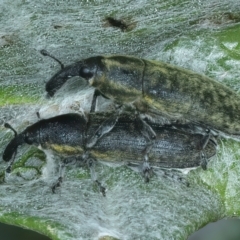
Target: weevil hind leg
column 91, row 162
column 96, row 94
column 172, row 174
column 58, row 183
column 79, row 161
column 144, row 168
column 205, row 140
column 147, row 171
column 150, row 135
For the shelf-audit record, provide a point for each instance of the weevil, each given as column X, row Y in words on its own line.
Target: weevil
column 159, row 91
column 74, row 135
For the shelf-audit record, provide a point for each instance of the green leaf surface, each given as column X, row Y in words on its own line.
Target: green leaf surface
column 197, row 35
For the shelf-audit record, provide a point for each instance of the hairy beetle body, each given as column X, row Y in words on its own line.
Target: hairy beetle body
column 177, row 93
column 159, row 90
column 61, row 133
column 68, row 134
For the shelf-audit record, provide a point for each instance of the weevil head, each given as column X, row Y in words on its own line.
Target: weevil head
column 29, row 136
column 86, row 69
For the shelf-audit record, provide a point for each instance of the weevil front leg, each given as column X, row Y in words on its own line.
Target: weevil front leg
column 78, row 160
column 205, row 140
column 62, row 167
column 103, row 129
column 96, row 94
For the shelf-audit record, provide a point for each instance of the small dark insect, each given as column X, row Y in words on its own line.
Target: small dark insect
column 57, row 26
column 116, row 23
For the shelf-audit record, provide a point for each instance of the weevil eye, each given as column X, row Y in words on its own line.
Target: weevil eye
column 86, row 72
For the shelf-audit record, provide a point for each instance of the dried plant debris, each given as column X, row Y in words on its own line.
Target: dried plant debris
column 57, row 26
column 123, row 24
column 6, row 40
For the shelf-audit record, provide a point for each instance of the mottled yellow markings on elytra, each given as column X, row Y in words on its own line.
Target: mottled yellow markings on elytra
column 66, row 149
column 166, row 107
column 117, row 92
column 115, row 156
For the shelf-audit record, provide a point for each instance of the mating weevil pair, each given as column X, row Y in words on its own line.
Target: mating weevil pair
column 161, row 94
column 71, row 134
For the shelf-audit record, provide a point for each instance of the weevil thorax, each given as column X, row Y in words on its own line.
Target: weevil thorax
column 64, row 133
column 119, row 78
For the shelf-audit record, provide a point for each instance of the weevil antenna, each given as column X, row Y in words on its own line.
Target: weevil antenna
column 46, row 53
column 7, row 125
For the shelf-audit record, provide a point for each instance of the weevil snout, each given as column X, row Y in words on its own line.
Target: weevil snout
column 29, row 136
column 11, row 148
column 85, row 69
column 58, row 80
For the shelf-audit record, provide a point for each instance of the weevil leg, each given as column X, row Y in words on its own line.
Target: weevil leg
column 62, row 167
column 91, row 164
column 143, row 168
column 57, row 184
column 203, row 162
column 150, row 135
column 9, row 168
column 103, row 129
column 101, row 188
column 96, row 94
column 145, row 129
column 38, row 115
column 94, row 100
column 159, row 118
column 60, row 178
column 147, row 171
column 206, row 138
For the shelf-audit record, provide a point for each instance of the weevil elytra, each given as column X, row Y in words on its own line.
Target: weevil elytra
column 70, row 135
column 159, row 91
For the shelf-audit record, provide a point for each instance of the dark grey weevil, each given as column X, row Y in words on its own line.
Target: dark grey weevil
column 72, row 135
column 159, row 91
